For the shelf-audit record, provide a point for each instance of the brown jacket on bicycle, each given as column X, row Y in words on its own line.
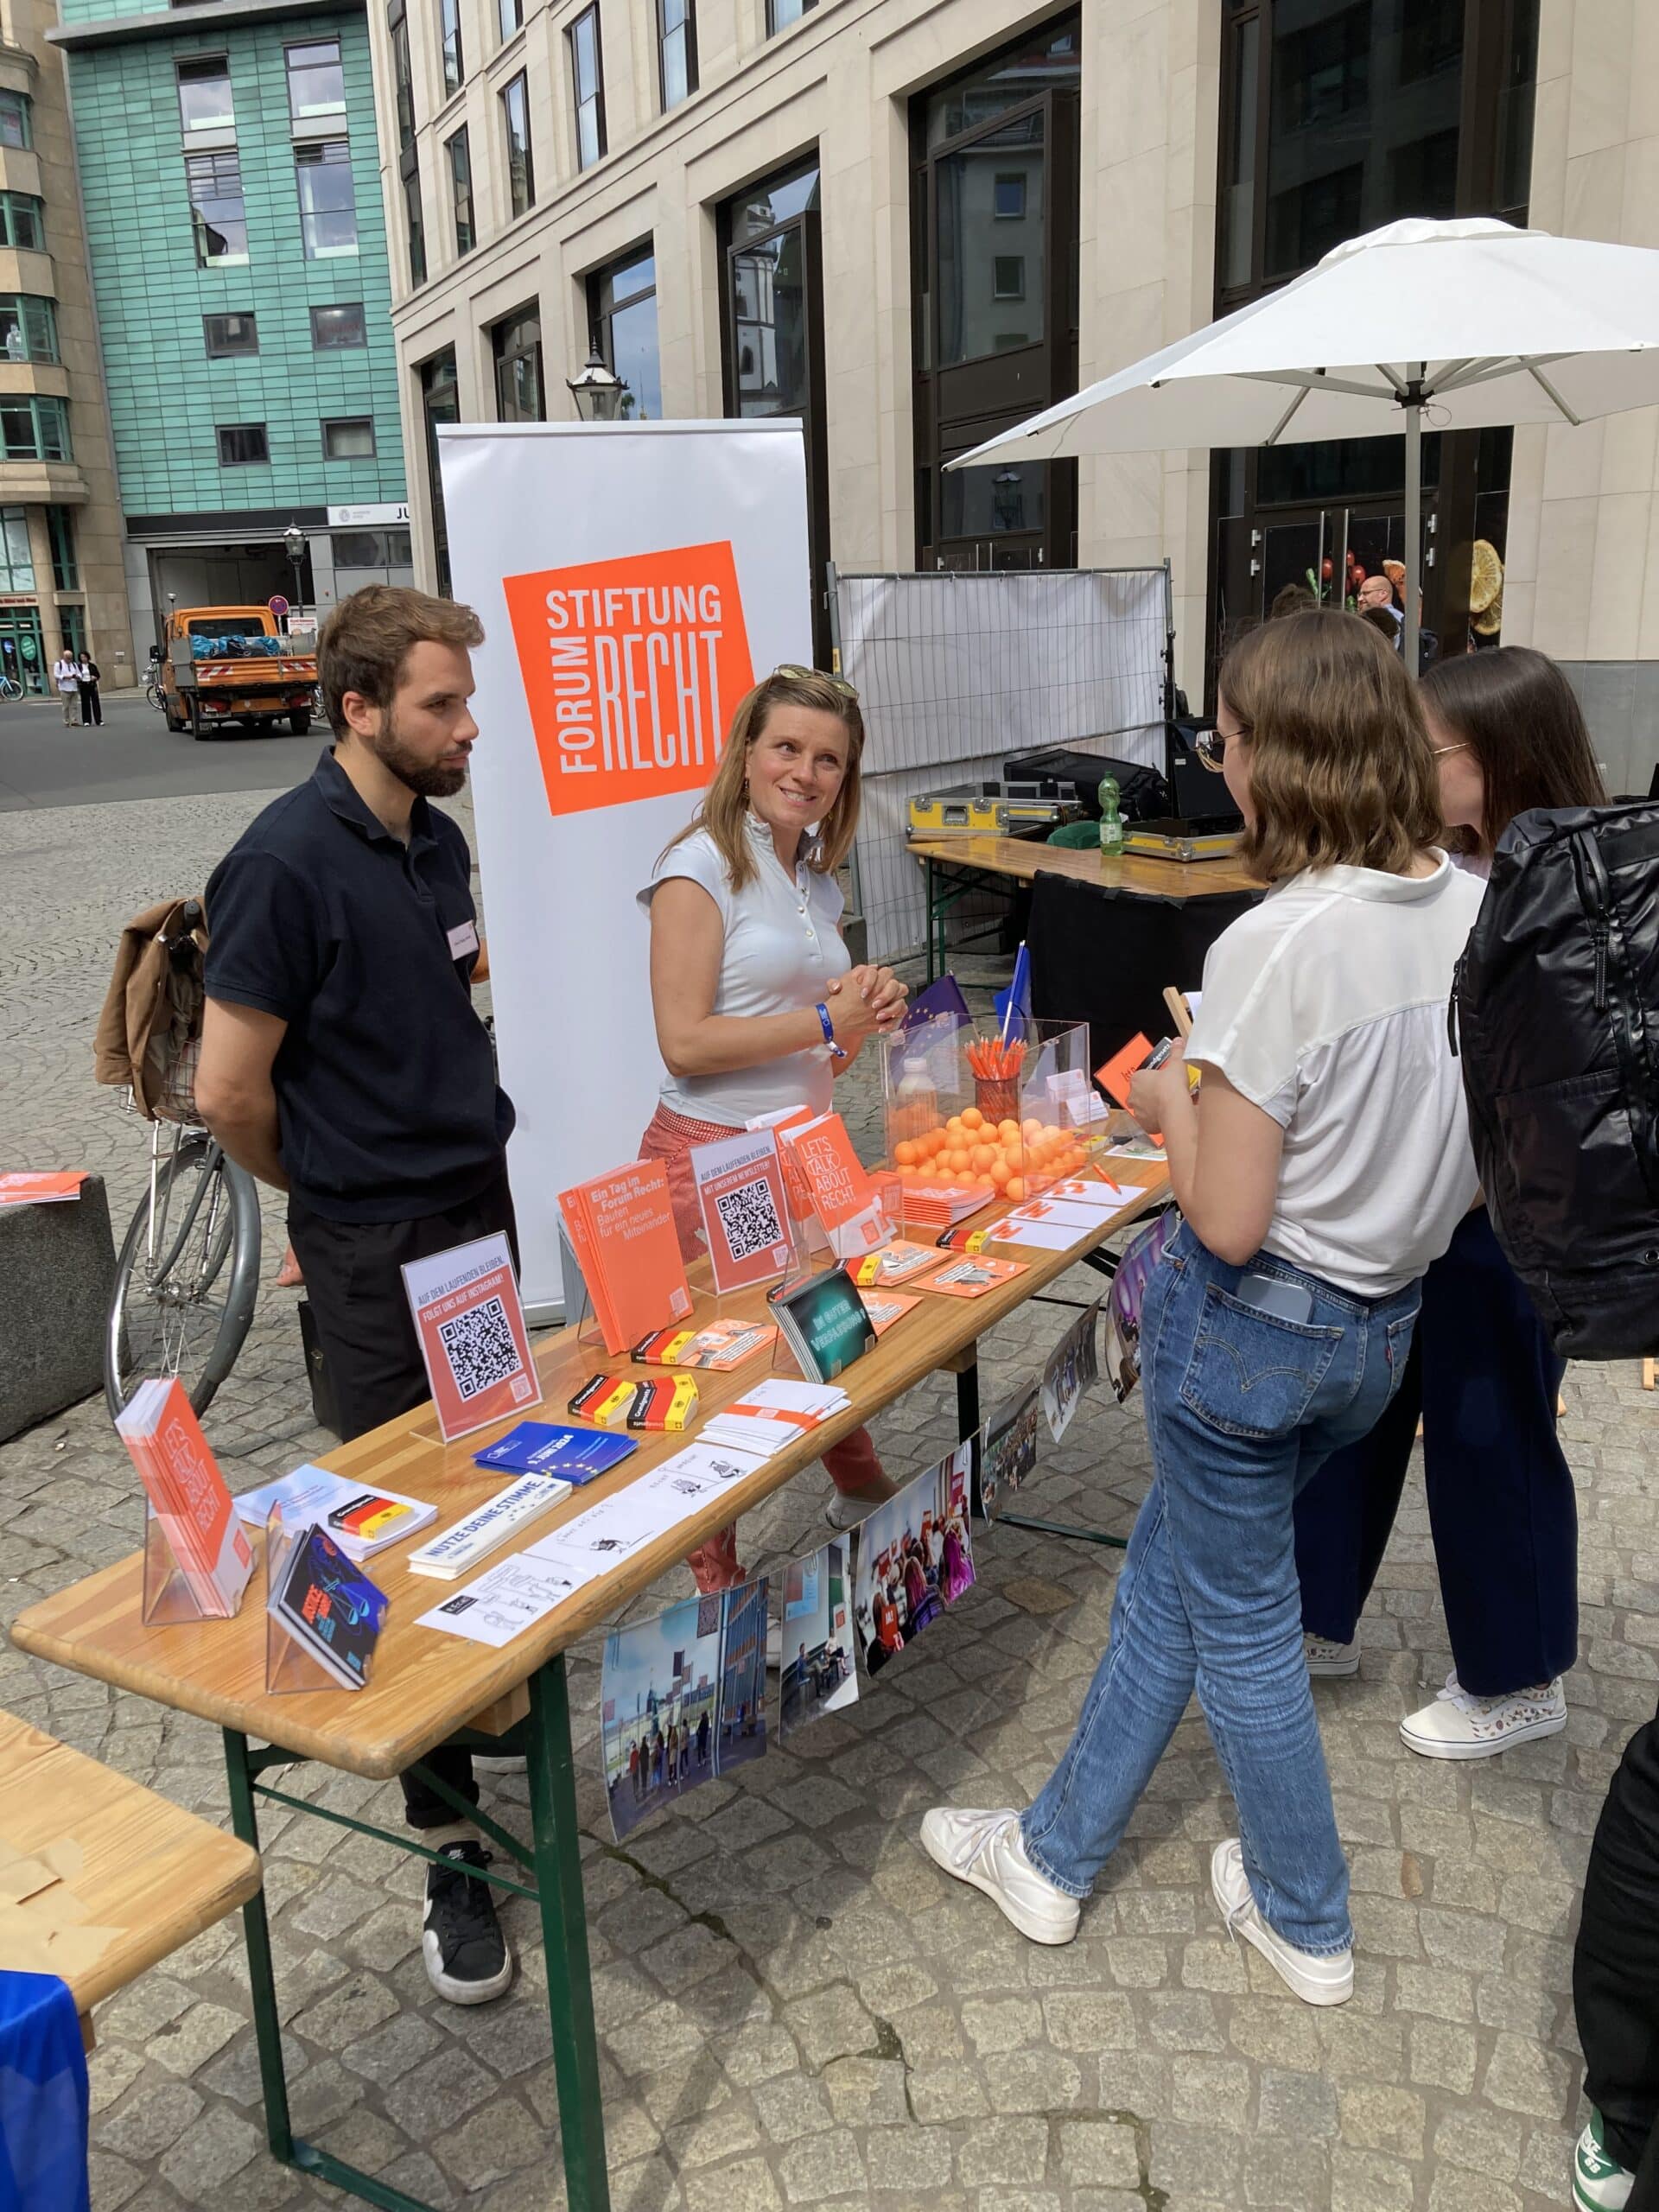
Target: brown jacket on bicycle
column 148, row 1033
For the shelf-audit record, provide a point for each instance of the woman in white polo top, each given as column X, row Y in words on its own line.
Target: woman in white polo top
column 757, row 1003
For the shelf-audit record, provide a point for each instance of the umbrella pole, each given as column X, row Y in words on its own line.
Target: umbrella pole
column 1414, row 528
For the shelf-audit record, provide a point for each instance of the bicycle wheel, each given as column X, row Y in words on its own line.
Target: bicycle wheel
column 185, row 1286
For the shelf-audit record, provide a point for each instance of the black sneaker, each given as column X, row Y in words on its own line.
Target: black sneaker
column 465, row 1953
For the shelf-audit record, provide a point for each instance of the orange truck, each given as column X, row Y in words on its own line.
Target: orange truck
column 233, row 664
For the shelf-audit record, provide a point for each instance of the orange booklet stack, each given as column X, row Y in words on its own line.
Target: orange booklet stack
column 847, row 1202
column 182, row 1480
column 621, row 1229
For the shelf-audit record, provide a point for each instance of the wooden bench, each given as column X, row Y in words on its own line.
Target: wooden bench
column 133, row 1877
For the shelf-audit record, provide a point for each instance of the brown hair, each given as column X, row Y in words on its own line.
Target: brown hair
column 1520, row 718
column 1341, row 773
column 367, row 639
column 1291, row 599
column 725, row 802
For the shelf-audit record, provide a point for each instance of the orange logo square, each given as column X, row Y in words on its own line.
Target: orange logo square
column 632, row 669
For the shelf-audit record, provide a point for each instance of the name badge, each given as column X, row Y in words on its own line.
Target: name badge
column 463, row 939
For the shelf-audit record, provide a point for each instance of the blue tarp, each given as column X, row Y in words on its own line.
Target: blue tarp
column 42, row 2097
column 237, row 644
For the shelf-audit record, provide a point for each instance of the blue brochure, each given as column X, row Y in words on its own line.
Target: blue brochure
column 540, row 1447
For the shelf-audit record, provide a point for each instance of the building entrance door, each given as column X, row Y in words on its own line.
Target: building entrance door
column 23, row 656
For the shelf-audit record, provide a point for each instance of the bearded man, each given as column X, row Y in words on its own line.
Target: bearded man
column 342, row 1062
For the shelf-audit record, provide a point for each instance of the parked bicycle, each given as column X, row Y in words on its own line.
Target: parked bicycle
column 187, row 1273
column 10, row 688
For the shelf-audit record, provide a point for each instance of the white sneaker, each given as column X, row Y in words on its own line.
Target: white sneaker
column 987, row 1851
column 1326, row 1657
column 1599, row 2183
column 1315, row 1979
column 1460, row 1725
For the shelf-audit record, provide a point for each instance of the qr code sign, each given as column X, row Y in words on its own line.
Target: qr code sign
column 749, row 1217
column 480, row 1348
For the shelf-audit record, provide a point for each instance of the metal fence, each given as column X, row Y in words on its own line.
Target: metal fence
column 955, row 671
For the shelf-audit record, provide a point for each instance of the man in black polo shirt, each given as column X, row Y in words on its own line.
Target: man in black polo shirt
column 342, row 1061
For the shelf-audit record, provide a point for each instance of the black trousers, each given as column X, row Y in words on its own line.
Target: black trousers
column 1616, row 1967
column 1501, row 1504
column 353, row 1280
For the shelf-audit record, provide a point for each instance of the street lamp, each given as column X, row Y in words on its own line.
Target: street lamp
column 294, row 545
column 597, row 392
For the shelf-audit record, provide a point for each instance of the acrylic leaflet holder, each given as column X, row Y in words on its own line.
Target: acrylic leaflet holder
column 313, row 1590
column 174, row 1594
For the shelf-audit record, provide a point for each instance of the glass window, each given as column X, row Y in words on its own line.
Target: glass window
column 65, row 566
column 991, row 302
column 521, row 171
column 780, row 200
column 15, row 119
column 242, row 444
column 982, row 502
column 28, row 327
column 1048, row 59
column 1238, row 187
column 403, row 74
column 455, row 58
column 588, row 84
column 218, row 213
column 440, row 402
column 677, row 51
column 780, row 14
column 622, row 308
column 337, row 326
column 349, row 440
column 517, row 347
column 414, row 221
column 361, row 549
column 33, row 428
column 316, row 83
column 327, row 199
column 73, row 619
column 16, row 562
column 22, row 222
column 769, row 295
column 1008, row 196
column 461, row 187
column 510, row 17
column 205, row 94
column 228, row 335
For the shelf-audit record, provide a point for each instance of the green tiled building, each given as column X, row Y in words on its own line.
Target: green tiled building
column 237, row 246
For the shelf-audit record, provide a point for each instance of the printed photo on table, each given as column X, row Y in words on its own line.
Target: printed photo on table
column 914, row 1558
column 682, row 1699
column 818, row 1673
column 1009, row 1452
column 1073, row 1364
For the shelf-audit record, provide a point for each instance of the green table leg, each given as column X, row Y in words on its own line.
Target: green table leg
column 267, row 2022
column 564, row 1938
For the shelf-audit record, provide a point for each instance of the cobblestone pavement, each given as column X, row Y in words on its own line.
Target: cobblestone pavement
column 794, row 2007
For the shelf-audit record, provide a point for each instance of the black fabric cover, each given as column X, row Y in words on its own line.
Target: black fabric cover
column 1104, row 956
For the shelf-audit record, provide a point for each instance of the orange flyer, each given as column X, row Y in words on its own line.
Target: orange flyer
column 746, row 1211
column 182, row 1477
column 1114, row 1075
column 621, row 1226
column 21, row 1187
column 473, row 1339
column 972, row 1277
column 843, row 1197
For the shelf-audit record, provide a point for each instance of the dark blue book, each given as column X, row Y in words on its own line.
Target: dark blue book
column 540, row 1447
column 330, row 1608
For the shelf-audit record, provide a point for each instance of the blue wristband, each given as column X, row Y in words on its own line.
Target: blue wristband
column 838, row 1052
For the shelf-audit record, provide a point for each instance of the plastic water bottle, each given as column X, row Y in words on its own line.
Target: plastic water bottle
column 916, row 1100
column 1111, row 822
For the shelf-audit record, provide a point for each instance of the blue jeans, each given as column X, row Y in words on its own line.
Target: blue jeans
column 1242, row 1407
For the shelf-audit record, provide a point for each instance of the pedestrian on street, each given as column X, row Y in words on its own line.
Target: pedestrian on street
column 68, row 682
column 344, row 941
column 88, row 678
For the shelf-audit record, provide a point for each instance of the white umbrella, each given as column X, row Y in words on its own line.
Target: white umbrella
column 1471, row 323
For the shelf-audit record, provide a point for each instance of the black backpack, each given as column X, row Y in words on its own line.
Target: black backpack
column 1555, row 1011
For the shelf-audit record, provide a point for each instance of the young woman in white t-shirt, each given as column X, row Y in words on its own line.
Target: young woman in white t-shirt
column 1323, row 1166
column 757, row 1004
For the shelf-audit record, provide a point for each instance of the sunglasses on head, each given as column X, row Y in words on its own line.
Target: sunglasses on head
column 835, row 683
column 1211, row 746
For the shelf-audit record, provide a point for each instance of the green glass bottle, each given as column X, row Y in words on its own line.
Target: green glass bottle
column 1111, row 822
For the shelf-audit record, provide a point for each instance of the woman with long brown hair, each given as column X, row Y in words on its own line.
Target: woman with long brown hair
column 1484, row 1379
column 757, row 1004
column 1323, row 1166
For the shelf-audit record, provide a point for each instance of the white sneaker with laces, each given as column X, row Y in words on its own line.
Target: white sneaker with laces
column 1324, row 1656
column 1460, row 1725
column 1315, row 1979
column 987, row 1851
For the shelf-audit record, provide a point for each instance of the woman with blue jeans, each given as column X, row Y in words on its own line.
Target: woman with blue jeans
column 1324, row 1167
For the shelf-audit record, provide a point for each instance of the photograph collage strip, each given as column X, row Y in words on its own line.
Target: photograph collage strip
column 684, row 1695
